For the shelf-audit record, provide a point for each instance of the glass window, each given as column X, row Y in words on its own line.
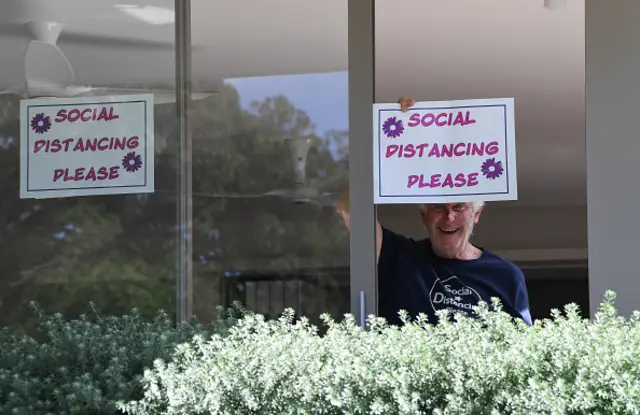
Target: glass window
column 117, row 251
column 270, row 153
column 258, row 166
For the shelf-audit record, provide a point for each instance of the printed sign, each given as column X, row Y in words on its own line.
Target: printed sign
column 86, row 146
column 445, row 152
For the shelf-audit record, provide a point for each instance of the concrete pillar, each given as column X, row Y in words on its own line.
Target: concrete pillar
column 613, row 150
column 363, row 213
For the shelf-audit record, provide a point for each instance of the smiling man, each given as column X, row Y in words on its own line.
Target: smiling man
column 444, row 271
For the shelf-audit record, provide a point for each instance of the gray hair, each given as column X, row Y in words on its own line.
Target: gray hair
column 478, row 205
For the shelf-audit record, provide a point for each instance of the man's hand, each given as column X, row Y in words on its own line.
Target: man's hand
column 405, row 103
column 343, row 206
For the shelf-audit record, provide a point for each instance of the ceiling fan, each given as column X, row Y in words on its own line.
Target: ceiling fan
column 301, row 192
column 48, row 72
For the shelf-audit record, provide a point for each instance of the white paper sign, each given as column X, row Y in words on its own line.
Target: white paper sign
column 86, row 146
column 445, row 152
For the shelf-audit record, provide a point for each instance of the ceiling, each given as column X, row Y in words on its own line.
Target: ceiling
column 428, row 49
column 230, row 38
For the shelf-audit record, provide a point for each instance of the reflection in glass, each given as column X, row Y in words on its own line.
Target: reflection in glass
column 115, row 251
column 268, row 158
column 265, row 181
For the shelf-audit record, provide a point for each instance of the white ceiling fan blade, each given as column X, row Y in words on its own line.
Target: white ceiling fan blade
column 47, row 70
column 326, row 200
column 297, row 196
column 45, row 31
column 19, row 91
column 161, row 96
column 169, row 97
column 43, row 90
column 284, row 193
column 76, row 90
column 46, row 66
column 280, row 193
column 299, row 148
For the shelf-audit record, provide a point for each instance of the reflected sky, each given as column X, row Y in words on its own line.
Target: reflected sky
column 323, row 96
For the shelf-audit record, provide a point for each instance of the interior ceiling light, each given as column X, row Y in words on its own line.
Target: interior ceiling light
column 555, row 4
column 148, row 14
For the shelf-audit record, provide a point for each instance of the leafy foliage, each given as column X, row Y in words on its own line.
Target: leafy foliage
column 84, row 366
column 485, row 365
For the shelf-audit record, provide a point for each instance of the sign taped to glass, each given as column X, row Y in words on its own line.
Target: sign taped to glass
column 86, row 146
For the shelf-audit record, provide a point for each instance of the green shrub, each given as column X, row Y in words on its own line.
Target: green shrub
column 85, row 366
column 488, row 365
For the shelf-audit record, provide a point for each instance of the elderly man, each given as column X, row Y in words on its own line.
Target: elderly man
column 444, row 271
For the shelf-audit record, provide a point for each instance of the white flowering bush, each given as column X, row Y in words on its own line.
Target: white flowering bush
column 84, row 366
column 484, row 365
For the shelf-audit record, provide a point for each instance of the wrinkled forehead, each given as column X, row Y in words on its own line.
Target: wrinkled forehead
column 445, row 207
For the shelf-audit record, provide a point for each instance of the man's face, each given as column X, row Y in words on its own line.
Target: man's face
column 450, row 226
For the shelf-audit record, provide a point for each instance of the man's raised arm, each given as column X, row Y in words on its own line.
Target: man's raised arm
column 343, row 207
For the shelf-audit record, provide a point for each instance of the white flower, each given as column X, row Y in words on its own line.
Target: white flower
column 487, row 365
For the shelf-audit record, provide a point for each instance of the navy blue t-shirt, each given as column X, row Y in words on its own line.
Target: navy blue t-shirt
column 412, row 277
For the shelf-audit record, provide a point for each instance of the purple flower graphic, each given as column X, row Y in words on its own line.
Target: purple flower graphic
column 492, row 169
column 40, row 123
column 132, row 162
column 392, row 127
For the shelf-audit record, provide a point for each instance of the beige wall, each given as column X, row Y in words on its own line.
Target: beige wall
column 613, row 149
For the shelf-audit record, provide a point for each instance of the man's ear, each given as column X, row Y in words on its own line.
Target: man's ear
column 423, row 212
column 476, row 217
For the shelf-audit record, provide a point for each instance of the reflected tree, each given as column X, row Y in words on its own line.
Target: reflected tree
column 120, row 251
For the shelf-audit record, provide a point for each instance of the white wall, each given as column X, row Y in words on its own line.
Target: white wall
column 613, row 149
